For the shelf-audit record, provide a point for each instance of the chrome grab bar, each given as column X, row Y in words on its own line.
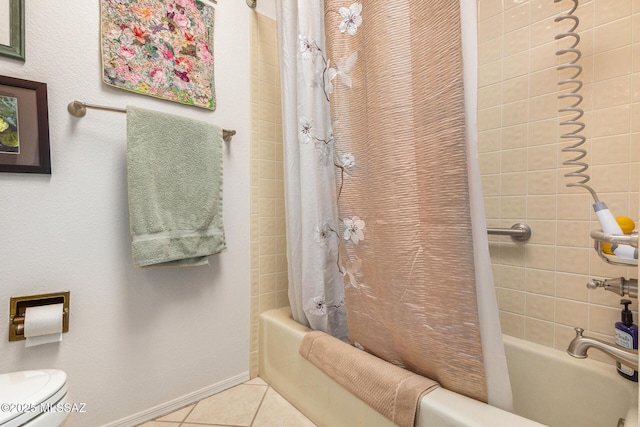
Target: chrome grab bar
column 519, row 232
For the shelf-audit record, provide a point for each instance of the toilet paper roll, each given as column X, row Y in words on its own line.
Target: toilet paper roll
column 43, row 324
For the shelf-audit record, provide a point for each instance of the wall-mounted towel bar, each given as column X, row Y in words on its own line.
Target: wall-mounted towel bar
column 519, row 232
column 79, row 109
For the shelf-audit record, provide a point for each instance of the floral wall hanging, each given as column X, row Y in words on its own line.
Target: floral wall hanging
column 160, row 48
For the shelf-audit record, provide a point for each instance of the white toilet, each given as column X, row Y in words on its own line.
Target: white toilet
column 25, row 397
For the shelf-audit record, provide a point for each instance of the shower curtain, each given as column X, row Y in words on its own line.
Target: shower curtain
column 316, row 292
column 384, row 206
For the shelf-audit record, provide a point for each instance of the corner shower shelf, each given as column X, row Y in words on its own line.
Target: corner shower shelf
column 599, row 237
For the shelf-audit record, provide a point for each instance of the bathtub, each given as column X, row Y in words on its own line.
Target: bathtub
column 549, row 388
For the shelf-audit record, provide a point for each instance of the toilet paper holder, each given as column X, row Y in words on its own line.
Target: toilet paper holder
column 18, row 307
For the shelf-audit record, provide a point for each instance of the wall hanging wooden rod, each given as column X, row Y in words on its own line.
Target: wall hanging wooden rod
column 79, row 109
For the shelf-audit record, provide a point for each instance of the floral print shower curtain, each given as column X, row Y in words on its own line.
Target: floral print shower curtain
column 316, row 290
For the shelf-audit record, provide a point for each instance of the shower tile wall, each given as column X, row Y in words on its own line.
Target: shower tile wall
column 268, row 246
column 541, row 285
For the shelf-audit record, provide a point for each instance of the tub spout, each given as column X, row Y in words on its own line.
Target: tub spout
column 580, row 344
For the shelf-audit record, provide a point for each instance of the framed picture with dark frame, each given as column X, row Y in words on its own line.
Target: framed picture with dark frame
column 24, row 126
column 12, row 29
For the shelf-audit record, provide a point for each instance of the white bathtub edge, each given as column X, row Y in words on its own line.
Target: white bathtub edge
column 444, row 408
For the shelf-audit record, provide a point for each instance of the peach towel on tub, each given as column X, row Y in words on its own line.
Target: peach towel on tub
column 392, row 391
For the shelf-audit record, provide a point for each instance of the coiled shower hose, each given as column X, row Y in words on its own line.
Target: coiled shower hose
column 574, row 127
column 573, row 124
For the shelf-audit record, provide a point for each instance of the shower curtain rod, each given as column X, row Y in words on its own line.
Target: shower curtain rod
column 79, row 109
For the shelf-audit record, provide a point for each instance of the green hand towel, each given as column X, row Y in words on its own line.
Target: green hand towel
column 174, row 178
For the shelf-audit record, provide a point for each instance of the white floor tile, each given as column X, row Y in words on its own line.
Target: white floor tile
column 159, row 424
column 276, row 411
column 252, row 404
column 256, row 381
column 177, row 416
column 236, row 406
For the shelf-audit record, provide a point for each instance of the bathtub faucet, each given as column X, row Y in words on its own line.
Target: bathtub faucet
column 580, row 344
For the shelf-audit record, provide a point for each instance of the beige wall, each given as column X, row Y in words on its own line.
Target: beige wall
column 268, row 246
column 541, row 285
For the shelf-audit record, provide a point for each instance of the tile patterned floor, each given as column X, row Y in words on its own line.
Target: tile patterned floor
column 252, row 404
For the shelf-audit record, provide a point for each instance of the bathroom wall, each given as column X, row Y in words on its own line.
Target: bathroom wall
column 268, row 241
column 541, row 285
column 138, row 338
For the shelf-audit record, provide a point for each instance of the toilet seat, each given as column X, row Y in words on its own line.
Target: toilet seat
column 26, row 395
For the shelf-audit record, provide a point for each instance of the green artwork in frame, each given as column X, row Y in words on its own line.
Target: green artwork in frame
column 9, row 134
column 12, row 29
column 24, row 126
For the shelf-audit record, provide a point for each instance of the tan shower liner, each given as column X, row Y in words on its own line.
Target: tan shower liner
column 414, row 301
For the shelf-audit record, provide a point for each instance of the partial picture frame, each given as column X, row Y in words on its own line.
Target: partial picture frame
column 12, row 29
column 24, row 126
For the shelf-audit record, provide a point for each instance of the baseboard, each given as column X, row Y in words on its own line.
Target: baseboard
column 180, row 402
